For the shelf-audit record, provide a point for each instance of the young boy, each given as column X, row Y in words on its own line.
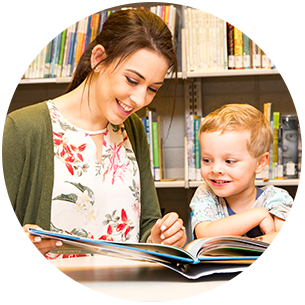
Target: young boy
column 235, row 141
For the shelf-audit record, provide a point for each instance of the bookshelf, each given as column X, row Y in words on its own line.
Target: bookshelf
column 253, row 86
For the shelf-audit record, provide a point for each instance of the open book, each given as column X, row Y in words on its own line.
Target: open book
column 198, row 258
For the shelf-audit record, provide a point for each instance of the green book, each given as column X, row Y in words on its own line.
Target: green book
column 156, row 150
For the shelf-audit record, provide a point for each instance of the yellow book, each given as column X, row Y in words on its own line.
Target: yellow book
column 238, row 48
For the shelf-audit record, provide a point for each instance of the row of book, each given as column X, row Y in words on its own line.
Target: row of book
column 285, row 152
column 211, row 44
column 153, row 127
column 37, row 44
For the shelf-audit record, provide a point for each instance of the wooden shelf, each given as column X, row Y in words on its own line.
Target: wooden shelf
column 242, row 72
column 229, row 73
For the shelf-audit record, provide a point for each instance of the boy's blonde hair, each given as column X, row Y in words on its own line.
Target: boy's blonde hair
column 241, row 117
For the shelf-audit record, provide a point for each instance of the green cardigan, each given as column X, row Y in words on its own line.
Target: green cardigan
column 28, row 165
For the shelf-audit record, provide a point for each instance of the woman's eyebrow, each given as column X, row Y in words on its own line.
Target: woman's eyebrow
column 141, row 76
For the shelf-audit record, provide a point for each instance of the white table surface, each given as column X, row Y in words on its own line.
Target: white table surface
column 107, row 279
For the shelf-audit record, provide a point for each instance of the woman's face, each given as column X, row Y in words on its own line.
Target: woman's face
column 117, row 92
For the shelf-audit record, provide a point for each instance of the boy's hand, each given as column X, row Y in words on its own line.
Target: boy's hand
column 267, row 224
column 169, row 231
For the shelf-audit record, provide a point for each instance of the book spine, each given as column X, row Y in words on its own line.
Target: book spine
column 289, row 47
column 61, row 52
column 238, row 48
column 255, row 36
column 265, row 17
column 197, row 122
column 52, row 25
column 156, row 151
column 290, row 143
column 225, row 45
column 284, row 53
column 300, row 147
column 72, row 50
column 190, row 146
column 57, row 44
column 280, row 167
column 246, row 52
column 39, row 49
column 230, row 46
column 276, row 121
column 150, row 135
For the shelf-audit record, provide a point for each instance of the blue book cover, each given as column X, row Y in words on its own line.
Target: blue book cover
column 198, row 258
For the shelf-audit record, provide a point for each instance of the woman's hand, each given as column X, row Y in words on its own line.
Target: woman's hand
column 169, row 231
column 23, row 249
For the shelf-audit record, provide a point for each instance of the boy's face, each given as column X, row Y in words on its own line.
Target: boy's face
column 226, row 165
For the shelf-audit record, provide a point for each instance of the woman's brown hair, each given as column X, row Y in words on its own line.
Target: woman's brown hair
column 123, row 33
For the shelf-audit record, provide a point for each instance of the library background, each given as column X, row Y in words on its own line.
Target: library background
column 218, row 65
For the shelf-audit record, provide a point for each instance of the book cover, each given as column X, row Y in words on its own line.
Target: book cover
column 255, row 36
column 265, row 17
column 230, row 46
column 238, row 48
column 290, row 145
column 300, row 147
column 198, row 258
column 246, row 41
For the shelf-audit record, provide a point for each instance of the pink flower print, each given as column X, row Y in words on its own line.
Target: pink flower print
column 104, row 141
column 68, row 161
column 108, row 237
column 60, row 140
column 79, row 150
column 125, row 225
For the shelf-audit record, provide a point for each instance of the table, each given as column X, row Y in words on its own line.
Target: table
column 107, row 279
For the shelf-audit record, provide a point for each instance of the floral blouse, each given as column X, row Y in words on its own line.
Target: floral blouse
column 93, row 199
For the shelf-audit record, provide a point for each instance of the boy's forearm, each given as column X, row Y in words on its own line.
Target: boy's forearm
column 237, row 224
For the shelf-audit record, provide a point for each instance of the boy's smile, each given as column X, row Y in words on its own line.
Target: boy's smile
column 227, row 166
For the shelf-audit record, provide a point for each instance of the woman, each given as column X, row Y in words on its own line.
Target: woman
column 80, row 163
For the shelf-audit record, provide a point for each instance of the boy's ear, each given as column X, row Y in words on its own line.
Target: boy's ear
column 97, row 55
column 262, row 161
